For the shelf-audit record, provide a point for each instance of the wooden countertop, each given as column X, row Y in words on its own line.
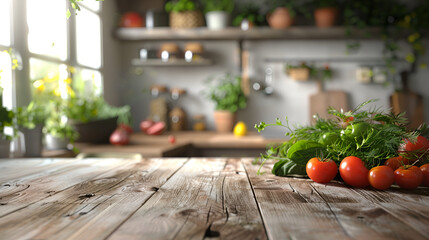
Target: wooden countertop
column 194, row 198
column 159, row 146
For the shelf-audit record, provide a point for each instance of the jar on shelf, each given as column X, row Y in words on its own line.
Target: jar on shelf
column 168, row 51
column 158, row 104
column 199, row 122
column 177, row 115
column 194, row 51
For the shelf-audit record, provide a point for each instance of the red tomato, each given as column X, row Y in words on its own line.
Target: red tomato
column 119, row 137
column 381, row 177
column 171, row 139
column 354, row 172
column 132, row 19
column 126, row 127
column 408, row 177
column 396, row 162
column 425, row 170
column 321, row 171
column 421, row 144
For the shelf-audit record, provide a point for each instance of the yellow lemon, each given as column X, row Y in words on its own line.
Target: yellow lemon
column 240, row 129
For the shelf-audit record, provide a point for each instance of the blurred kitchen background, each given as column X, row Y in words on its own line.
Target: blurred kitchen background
column 124, row 81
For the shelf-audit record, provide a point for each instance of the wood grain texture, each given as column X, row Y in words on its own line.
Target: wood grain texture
column 93, row 207
column 206, row 198
column 197, row 198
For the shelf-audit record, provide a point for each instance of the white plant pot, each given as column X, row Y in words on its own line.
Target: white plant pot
column 217, row 20
column 33, row 141
column 53, row 143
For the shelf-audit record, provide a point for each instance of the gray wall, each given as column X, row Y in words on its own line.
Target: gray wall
column 125, row 84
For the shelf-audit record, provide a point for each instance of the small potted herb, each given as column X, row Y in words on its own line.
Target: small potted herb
column 184, row 14
column 58, row 132
column 283, row 14
column 217, row 13
column 250, row 15
column 31, row 120
column 325, row 13
column 227, row 94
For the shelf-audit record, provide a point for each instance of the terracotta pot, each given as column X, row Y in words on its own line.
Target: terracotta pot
column 325, row 17
column 280, row 18
column 224, row 120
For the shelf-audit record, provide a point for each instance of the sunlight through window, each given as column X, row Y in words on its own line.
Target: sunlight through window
column 88, row 39
column 5, row 22
column 47, row 26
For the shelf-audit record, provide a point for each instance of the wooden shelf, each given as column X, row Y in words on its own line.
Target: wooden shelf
column 170, row 63
column 235, row 33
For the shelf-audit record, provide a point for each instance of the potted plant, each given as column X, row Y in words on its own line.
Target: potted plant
column 325, row 13
column 6, row 120
column 184, row 14
column 283, row 14
column 31, row 120
column 94, row 119
column 58, row 132
column 248, row 17
column 227, row 94
column 217, row 13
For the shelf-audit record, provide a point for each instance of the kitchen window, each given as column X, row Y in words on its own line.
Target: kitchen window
column 56, row 53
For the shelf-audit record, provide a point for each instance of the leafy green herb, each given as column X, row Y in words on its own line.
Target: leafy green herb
column 226, row 93
column 372, row 135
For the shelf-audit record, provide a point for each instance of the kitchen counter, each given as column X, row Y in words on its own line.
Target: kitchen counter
column 188, row 144
column 194, row 198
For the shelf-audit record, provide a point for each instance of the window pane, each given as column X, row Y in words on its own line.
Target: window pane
column 6, row 79
column 48, row 79
column 47, row 25
column 88, row 39
column 88, row 83
column 91, row 4
column 5, row 16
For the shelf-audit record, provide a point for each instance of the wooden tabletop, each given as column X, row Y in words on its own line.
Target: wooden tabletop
column 195, row 198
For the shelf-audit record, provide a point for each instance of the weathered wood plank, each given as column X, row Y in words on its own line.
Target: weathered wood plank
column 207, row 198
column 20, row 168
column 329, row 210
column 92, row 208
column 19, row 193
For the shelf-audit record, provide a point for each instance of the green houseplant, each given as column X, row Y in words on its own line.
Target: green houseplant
column 217, row 13
column 94, row 119
column 227, row 94
column 184, row 14
column 251, row 13
column 6, row 120
column 31, row 120
column 283, row 14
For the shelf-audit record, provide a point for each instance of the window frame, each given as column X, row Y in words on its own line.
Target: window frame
column 19, row 43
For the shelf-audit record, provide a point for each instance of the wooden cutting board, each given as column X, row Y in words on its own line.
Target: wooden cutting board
column 320, row 101
column 409, row 102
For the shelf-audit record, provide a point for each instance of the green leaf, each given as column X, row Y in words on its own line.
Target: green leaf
column 287, row 168
column 68, row 13
column 303, row 150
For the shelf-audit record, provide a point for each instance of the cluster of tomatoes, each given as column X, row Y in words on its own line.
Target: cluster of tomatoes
column 400, row 170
